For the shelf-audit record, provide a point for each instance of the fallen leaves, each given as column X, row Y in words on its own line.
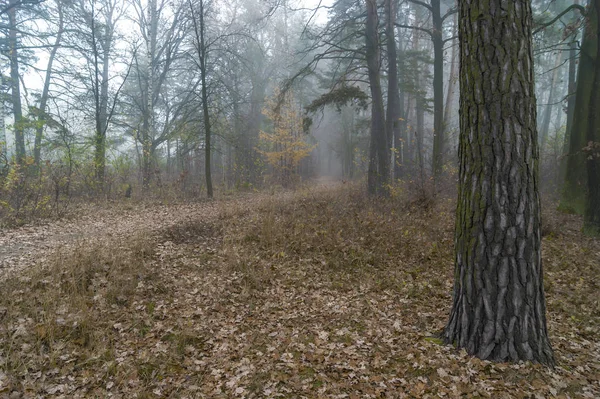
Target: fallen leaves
column 318, row 294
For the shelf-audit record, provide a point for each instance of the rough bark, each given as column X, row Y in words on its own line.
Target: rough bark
column 499, row 310
column 574, row 193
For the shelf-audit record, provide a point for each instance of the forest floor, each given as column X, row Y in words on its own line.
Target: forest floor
column 322, row 293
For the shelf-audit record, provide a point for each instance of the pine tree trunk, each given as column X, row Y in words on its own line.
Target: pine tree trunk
column 499, row 309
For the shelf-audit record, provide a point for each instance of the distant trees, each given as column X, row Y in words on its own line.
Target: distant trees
column 157, row 104
column 499, row 310
column 574, row 191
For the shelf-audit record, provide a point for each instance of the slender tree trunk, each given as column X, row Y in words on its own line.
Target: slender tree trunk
column 574, row 192
column 207, row 126
column 545, row 128
column 3, row 151
column 15, row 86
column 499, row 310
column 148, row 94
column 452, row 78
column 39, row 129
column 401, row 143
column 591, row 221
column 570, row 106
column 392, row 123
column 379, row 142
column 101, row 46
column 438, row 90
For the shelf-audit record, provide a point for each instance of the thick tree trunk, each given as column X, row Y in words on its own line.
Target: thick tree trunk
column 15, row 86
column 591, row 221
column 499, row 310
column 378, row 179
column 438, row 89
column 574, row 192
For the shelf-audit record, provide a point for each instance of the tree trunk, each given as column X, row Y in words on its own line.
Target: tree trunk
column 452, row 78
column 15, row 86
column 591, row 220
column 574, row 192
column 207, row 133
column 545, row 128
column 499, row 309
column 570, row 101
column 148, row 95
column 378, row 179
column 101, row 45
column 392, row 122
column 401, row 143
column 438, row 89
column 39, row 129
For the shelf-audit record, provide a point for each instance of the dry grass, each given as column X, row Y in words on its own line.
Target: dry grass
column 54, row 316
column 322, row 293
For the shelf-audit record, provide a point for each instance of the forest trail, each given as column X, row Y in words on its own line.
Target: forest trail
column 24, row 246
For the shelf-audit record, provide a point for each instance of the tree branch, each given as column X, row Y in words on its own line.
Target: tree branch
column 427, row 6
column 559, row 16
column 450, row 12
column 430, row 33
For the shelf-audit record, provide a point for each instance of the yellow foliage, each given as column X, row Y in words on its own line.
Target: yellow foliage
column 284, row 145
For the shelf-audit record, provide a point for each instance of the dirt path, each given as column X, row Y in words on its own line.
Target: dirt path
column 28, row 245
column 25, row 246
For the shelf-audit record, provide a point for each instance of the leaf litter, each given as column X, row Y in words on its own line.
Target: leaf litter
column 323, row 293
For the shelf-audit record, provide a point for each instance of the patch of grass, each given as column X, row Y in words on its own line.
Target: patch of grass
column 59, row 310
column 344, row 234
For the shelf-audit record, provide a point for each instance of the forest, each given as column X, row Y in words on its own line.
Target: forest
column 299, row 198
